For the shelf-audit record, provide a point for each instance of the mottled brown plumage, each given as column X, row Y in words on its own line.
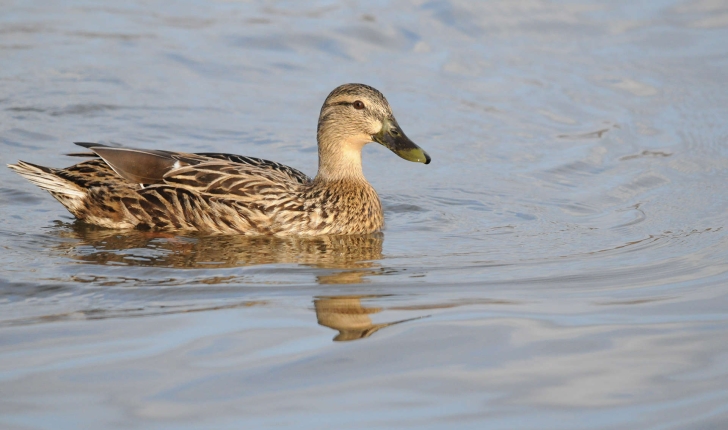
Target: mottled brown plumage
column 233, row 194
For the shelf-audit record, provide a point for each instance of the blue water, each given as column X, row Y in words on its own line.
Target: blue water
column 561, row 264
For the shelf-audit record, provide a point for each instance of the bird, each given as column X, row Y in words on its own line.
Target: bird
column 219, row 193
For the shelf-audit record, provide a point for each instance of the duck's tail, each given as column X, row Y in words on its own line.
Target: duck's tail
column 68, row 193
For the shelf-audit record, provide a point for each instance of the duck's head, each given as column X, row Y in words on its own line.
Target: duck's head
column 356, row 114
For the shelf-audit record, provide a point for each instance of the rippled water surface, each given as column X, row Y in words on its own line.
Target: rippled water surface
column 561, row 264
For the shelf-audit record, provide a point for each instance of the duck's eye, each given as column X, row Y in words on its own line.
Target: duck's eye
column 358, row 105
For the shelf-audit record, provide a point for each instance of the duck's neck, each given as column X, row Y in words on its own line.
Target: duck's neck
column 340, row 161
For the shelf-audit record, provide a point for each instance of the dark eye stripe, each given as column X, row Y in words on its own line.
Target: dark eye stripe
column 346, row 104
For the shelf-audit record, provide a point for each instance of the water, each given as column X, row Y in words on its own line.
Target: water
column 562, row 263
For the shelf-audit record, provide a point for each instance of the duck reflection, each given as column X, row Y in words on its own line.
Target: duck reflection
column 357, row 253
column 353, row 258
column 349, row 317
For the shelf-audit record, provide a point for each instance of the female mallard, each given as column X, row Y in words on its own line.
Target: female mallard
column 225, row 193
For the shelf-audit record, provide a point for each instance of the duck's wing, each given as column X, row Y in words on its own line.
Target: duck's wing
column 142, row 166
column 235, row 180
column 148, row 166
column 293, row 174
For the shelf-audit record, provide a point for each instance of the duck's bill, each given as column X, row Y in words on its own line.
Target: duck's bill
column 392, row 137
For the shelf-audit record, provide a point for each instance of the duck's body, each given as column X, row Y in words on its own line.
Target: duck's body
column 220, row 194
column 231, row 194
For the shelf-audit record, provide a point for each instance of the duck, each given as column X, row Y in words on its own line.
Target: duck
column 220, row 193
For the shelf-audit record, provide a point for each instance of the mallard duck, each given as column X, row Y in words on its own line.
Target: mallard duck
column 233, row 194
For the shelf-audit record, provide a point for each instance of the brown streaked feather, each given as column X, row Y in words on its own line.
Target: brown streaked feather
column 93, row 173
column 292, row 173
column 232, row 179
